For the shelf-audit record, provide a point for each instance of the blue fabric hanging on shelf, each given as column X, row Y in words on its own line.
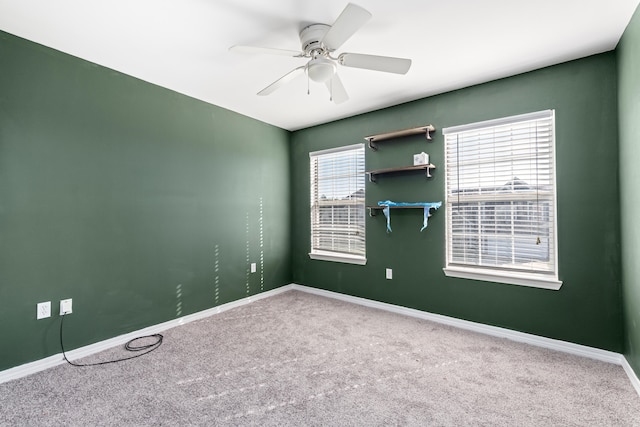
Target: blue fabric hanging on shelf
column 427, row 205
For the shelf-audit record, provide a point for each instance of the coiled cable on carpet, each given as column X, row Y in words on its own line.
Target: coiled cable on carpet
column 129, row 346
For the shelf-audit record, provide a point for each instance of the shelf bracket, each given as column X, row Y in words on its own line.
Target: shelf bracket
column 428, row 130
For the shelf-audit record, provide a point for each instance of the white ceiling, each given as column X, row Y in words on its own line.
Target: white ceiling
column 183, row 45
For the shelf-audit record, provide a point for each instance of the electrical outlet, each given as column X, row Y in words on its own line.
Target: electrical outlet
column 44, row 310
column 253, row 267
column 65, row 306
column 389, row 273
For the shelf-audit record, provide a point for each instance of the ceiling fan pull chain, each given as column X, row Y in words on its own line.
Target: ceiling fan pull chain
column 308, row 89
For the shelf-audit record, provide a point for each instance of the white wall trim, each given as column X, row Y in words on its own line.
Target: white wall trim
column 635, row 382
column 507, row 277
column 335, row 257
column 57, row 359
column 538, row 341
column 553, row 344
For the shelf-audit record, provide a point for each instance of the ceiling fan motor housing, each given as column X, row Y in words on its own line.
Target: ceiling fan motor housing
column 311, row 37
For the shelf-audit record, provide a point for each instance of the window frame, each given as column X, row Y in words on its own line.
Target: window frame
column 325, row 254
column 537, row 279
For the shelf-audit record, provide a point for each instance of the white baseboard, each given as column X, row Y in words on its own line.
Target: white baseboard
column 58, row 359
column 553, row 344
column 550, row 343
column 567, row 347
column 635, row 382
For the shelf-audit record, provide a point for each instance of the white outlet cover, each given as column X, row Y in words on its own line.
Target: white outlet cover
column 66, row 306
column 43, row 310
column 389, row 273
column 253, row 267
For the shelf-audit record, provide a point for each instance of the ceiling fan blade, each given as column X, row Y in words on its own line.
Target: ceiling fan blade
column 350, row 20
column 282, row 80
column 264, row 50
column 387, row 64
column 337, row 90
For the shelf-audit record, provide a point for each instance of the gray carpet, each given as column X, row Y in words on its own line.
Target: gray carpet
column 297, row 359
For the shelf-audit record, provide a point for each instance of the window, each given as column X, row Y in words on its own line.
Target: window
column 501, row 201
column 337, row 204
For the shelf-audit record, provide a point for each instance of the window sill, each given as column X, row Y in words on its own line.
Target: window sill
column 521, row 279
column 336, row 257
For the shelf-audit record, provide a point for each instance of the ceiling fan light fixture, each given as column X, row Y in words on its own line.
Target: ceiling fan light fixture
column 321, row 70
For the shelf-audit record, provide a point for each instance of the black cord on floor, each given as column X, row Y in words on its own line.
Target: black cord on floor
column 129, row 346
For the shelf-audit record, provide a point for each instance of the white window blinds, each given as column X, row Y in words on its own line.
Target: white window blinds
column 338, row 202
column 500, row 189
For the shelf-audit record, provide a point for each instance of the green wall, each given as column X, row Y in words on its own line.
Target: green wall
column 141, row 204
column 587, row 309
column 144, row 205
column 629, row 106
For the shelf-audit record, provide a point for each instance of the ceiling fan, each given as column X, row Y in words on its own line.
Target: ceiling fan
column 319, row 41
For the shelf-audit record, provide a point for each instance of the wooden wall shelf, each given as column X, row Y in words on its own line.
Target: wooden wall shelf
column 373, row 139
column 373, row 173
